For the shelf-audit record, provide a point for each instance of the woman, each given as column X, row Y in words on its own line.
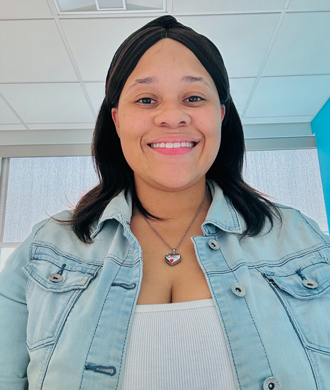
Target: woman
column 172, row 273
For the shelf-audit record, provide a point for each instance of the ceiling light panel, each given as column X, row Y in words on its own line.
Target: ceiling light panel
column 96, row 7
column 110, row 5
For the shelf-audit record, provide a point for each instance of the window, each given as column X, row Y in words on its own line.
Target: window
column 291, row 177
column 38, row 188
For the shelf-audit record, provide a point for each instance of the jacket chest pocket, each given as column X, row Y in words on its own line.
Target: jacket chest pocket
column 54, row 285
column 305, row 295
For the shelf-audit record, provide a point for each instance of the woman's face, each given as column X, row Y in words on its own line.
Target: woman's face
column 169, row 118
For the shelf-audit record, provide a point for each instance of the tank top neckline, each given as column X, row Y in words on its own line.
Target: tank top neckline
column 175, row 306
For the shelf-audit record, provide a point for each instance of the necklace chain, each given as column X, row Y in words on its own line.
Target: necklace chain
column 174, row 249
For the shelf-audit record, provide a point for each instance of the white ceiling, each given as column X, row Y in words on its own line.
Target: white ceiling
column 53, row 67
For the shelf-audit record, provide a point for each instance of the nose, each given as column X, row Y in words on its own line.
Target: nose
column 172, row 115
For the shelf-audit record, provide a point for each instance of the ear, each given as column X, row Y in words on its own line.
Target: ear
column 223, row 111
column 114, row 114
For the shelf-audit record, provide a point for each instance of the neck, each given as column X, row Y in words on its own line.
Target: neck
column 174, row 204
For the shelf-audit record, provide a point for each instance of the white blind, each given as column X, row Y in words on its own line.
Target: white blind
column 291, row 177
column 41, row 186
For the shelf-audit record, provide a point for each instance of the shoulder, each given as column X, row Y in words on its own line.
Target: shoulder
column 296, row 226
column 56, row 224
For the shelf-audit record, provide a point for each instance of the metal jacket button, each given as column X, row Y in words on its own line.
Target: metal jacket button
column 238, row 289
column 55, row 278
column 309, row 283
column 271, row 383
column 213, row 244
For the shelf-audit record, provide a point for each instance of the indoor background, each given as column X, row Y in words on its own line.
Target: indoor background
column 54, row 56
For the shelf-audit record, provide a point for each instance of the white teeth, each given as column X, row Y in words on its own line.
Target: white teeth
column 170, row 145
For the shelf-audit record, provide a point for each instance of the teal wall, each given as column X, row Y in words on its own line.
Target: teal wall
column 321, row 128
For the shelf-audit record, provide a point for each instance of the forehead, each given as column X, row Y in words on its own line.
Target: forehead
column 166, row 55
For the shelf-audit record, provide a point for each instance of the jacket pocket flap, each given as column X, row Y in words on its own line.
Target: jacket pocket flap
column 308, row 282
column 58, row 273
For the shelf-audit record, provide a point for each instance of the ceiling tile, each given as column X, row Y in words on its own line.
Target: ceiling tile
column 96, row 94
column 189, row 6
column 48, row 103
column 95, row 41
column 24, row 9
column 289, row 96
column 240, row 91
column 242, row 39
column 302, row 45
column 33, row 51
column 60, row 126
column 309, row 5
column 6, row 114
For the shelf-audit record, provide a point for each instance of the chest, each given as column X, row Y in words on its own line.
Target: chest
column 163, row 283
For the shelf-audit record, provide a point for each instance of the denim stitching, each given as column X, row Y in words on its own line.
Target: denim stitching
column 61, row 319
column 81, row 269
column 311, row 227
column 283, row 260
column 98, row 321
column 311, row 347
column 45, row 364
column 233, row 212
column 225, row 329
column 68, row 255
column 224, row 326
column 122, row 355
column 257, row 266
column 120, row 264
column 223, row 226
column 293, row 323
column 37, row 231
column 315, row 369
column 319, row 261
column 298, row 326
column 40, row 280
column 51, row 351
column 271, row 371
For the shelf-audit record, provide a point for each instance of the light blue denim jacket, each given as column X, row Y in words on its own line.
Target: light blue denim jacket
column 68, row 328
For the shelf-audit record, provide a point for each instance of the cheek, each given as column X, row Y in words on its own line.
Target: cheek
column 210, row 124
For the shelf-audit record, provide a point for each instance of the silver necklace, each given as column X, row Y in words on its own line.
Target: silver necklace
column 175, row 258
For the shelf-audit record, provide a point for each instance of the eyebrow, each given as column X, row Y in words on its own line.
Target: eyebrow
column 145, row 80
column 193, row 79
column 153, row 80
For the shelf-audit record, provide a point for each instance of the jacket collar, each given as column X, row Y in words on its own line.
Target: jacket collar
column 221, row 215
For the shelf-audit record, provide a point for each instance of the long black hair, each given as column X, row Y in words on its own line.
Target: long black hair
column 114, row 172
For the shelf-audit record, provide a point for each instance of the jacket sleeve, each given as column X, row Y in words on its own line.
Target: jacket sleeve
column 14, row 357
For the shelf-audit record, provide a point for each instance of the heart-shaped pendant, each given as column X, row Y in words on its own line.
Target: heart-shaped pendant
column 172, row 258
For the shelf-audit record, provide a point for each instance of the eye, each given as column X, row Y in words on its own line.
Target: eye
column 146, row 100
column 194, row 99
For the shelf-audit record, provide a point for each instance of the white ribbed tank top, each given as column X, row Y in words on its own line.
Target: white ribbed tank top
column 177, row 346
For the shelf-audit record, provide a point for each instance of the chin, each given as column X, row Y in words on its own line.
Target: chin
column 172, row 183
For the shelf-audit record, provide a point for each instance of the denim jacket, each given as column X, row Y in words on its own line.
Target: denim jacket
column 66, row 308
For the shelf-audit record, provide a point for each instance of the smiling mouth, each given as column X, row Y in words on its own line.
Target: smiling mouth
column 173, row 145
